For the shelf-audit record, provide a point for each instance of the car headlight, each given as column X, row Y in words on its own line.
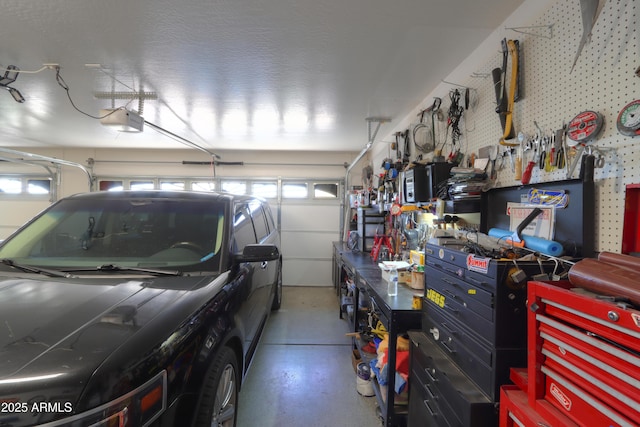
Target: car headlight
column 142, row 406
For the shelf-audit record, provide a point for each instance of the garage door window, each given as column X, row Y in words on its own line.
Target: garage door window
column 111, row 186
column 234, row 187
column 295, row 190
column 325, row 191
column 266, row 190
column 13, row 185
column 203, row 186
column 142, row 185
column 172, row 185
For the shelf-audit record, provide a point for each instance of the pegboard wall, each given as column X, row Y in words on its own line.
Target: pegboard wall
column 603, row 80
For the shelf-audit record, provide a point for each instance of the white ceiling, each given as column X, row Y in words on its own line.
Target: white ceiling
column 242, row 74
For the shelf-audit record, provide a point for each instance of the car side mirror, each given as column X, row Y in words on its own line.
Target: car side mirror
column 258, row 253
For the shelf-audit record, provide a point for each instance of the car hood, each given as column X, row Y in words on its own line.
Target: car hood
column 54, row 333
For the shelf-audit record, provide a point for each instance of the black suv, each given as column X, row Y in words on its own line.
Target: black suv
column 135, row 308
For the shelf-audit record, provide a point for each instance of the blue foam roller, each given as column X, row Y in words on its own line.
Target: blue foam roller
column 549, row 247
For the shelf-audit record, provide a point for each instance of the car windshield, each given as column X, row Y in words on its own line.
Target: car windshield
column 148, row 232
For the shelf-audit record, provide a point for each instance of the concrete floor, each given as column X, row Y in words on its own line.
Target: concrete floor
column 302, row 374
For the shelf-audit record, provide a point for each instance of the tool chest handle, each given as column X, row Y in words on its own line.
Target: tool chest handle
column 449, row 349
column 431, row 393
column 431, row 411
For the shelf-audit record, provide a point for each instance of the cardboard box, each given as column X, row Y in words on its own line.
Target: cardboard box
column 404, row 276
column 417, row 257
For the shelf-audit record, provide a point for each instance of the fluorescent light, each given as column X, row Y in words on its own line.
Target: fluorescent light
column 296, row 121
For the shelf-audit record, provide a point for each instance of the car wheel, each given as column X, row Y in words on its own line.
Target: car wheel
column 219, row 396
column 277, row 298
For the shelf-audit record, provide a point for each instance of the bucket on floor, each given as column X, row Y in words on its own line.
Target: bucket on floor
column 363, row 380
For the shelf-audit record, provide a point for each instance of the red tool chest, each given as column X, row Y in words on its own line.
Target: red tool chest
column 583, row 357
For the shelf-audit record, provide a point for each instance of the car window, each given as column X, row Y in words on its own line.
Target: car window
column 270, row 222
column 243, row 232
column 260, row 224
column 158, row 232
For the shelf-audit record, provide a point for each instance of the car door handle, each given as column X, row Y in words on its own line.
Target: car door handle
column 264, row 265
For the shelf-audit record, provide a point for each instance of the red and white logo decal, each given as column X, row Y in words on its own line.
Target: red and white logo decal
column 636, row 319
column 562, row 398
column 479, row 265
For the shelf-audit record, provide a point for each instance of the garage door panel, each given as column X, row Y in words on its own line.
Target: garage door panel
column 301, row 244
column 307, row 273
column 20, row 212
column 302, row 217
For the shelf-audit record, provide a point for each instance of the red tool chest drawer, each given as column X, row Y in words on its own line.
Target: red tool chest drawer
column 583, row 355
column 515, row 411
column 580, row 405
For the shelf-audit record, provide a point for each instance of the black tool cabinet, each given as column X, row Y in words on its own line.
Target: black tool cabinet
column 441, row 395
column 474, row 315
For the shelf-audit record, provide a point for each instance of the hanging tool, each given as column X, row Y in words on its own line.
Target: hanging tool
column 519, row 156
column 422, row 137
column 548, row 161
column 561, row 157
column 558, row 146
column 590, row 10
column 506, row 102
column 518, row 92
column 453, row 118
column 587, row 163
column 526, row 175
column 581, row 130
column 493, row 155
column 628, row 122
column 396, row 146
column 584, row 127
column 543, row 154
column 435, row 109
column 406, row 154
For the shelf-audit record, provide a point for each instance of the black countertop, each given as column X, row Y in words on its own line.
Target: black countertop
column 369, row 271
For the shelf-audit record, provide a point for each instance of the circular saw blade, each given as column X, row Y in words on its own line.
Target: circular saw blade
column 584, row 127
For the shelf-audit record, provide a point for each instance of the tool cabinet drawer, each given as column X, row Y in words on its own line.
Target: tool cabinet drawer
column 441, row 301
column 477, row 299
column 444, row 382
column 486, row 366
column 425, row 406
column 462, row 263
column 453, row 337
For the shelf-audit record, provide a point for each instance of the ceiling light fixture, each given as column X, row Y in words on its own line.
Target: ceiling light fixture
column 10, row 76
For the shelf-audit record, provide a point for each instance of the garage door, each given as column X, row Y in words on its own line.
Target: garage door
column 309, row 214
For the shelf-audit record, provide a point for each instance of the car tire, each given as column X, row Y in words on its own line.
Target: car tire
column 277, row 297
column 219, row 395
